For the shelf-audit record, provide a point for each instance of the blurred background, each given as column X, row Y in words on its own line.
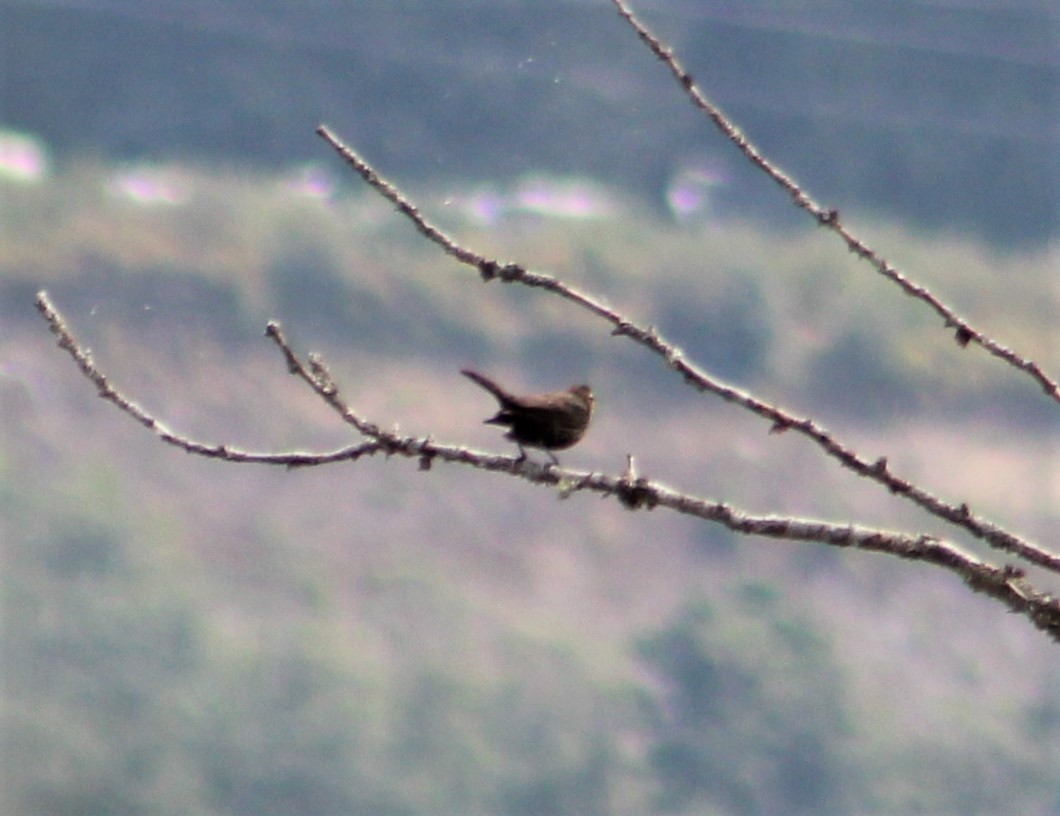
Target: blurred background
column 184, row 636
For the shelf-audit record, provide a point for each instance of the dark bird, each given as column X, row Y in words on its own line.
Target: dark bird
column 555, row 420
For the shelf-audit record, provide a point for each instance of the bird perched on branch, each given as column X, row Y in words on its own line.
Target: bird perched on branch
column 554, row 420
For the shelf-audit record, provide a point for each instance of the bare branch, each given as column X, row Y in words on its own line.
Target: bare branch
column 964, row 332
column 877, row 469
column 105, row 390
column 1006, row 584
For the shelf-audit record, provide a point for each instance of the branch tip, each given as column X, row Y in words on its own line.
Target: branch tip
column 828, row 217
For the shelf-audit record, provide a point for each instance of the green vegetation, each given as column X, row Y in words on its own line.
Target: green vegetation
column 184, row 637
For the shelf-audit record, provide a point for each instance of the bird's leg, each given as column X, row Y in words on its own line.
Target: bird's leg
column 552, row 456
column 522, row 453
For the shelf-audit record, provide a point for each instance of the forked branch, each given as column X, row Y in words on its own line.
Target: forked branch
column 780, row 420
column 1006, row 584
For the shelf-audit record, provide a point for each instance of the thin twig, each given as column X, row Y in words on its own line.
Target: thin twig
column 874, row 469
column 964, row 332
column 108, row 392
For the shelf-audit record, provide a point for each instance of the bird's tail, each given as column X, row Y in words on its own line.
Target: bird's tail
column 481, row 379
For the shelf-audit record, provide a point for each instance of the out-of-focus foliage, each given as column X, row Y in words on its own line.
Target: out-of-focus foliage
column 935, row 116
column 181, row 636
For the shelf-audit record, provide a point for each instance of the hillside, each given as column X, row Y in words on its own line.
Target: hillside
column 187, row 636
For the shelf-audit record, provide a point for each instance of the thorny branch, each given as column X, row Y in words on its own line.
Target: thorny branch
column 1006, row 584
column 964, row 332
column 877, row 469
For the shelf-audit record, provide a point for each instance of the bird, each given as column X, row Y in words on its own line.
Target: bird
column 550, row 421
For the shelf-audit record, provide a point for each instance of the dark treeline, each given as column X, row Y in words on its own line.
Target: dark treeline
column 894, row 111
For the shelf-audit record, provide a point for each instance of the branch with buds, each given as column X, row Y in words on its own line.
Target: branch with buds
column 1005, row 583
